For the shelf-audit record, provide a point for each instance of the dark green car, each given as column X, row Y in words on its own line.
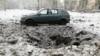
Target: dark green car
column 47, row 16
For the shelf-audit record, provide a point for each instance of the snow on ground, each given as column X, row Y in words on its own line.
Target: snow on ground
column 14, row 15
column 86, row 21
column 19, row 40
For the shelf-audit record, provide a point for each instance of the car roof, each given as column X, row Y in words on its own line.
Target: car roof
column 51, row 8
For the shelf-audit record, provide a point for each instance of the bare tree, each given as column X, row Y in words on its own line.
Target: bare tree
column 83, row 5
column 54, row 4
column 5, row 5
column 67, row 4
column 38, row 4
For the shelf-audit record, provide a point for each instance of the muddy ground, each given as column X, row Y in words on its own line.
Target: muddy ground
column 22, row 40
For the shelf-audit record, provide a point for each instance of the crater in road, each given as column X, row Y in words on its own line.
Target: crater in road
column 53, row 36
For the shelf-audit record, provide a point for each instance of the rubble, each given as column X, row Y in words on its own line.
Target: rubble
column 45, row 37
column 57, row 55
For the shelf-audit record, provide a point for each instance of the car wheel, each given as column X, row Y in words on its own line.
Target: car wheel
column 29, row 22
column 62, row 22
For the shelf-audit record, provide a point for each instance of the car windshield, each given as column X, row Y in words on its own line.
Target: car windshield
column 40, row 10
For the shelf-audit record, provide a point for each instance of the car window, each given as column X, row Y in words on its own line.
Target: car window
column 43, row 12
column 54, row 11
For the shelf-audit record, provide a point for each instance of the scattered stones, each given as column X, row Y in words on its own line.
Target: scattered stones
column 2, row 52
column 47, row 37
column 97, row 44
column 13, row 41
column 81, row 33
column 91, row 24
column 30, row 53
column 54, row 37
column 57, row 55
column 33, row 38
column 80, row 20
column 60, row 39
column 86, row 39
column 77, row 43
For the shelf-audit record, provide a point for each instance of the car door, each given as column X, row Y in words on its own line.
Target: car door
column 54, row 15
column 42, row 16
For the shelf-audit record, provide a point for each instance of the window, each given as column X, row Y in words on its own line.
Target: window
column 99, row 7
column 54, row 11
column 43, row 12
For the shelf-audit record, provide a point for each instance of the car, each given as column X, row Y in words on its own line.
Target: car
column 47, row 16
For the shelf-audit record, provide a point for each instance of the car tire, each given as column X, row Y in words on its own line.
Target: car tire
column 30, row 22
column 62, row 22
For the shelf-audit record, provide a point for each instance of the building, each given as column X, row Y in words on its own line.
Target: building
column 1, row 4
column 97, row 5
column 76, row 5
column 72, row 5
column 82, row 5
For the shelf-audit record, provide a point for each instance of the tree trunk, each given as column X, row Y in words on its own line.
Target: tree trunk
column 38, row 5
column 54, row 4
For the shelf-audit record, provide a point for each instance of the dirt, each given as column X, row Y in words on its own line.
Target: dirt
column 16, row 38
column 44, row 36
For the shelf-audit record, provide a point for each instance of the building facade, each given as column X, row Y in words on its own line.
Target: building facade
column 1, row 4
column 72, row 5
column 82, row 5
